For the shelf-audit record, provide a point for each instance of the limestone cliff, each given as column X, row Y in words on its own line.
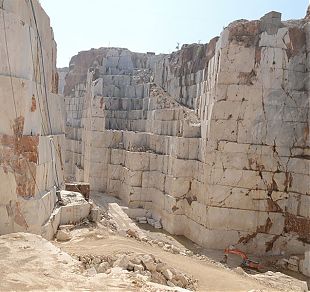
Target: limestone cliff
column 32, row 118
column 212, row 139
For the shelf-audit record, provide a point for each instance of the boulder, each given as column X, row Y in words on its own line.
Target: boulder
column 122, row 262
column 103, row 267
column 158, row 278
column 167, row 274
column 160, row 267
column 149, row 263
column 180, row 280
column 138, row 268
column 63, row 235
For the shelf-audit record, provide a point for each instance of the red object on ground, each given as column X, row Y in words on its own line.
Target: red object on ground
column 246, row 261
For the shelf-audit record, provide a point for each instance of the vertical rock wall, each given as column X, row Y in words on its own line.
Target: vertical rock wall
column 32, row 118
column 252, row 98
column 212, row 139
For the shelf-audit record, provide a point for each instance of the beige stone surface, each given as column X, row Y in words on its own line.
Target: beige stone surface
column 31, row 263
column 32, row 131
column 212, row 140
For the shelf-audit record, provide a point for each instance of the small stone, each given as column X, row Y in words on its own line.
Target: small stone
column 189, row 253
column 158, row 278
column 160, row 267
column 94, row 215
column 160, row 244
column 167, row 274
column 294, row 260
column 122, row 262
column 169, row 283
column 158, row 225
column 151, row 221
column 136, row 260
column 167, row 247
column 91, row 272
column 283, row 263
column 138, row 268
column 63, row 235
column 175, row 250
column 132, row 233
column 96, row 261
column 293, row 268
column 149, row 263
column 130, row 266
column 180, row 278
column 103, row 267
column 239, row 271
column 148, row 274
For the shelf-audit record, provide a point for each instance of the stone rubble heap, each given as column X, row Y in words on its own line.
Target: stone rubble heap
column 149, row 220
column 144, row 264
column 212, row 140
column 299, row 264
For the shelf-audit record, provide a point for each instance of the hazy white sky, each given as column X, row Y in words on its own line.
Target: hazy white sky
column 151, row 25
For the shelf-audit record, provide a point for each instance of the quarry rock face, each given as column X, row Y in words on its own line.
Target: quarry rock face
column 32, row 118
column 212, row 139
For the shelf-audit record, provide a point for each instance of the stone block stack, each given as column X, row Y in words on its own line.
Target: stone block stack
column 213, row 139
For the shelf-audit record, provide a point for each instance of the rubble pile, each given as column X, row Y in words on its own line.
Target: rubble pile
column 145, row 264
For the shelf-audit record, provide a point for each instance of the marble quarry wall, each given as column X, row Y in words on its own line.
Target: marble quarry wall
column 212, row 139
column 32, row 118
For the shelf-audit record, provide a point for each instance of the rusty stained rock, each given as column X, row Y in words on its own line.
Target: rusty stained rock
column 269, row 244
column 298, row 225
column 244, row 32
column 260, row 229
column 247, row 78
column 101, row 102
column 258, row 55
column 19, row 155
column 33, row 104
column 14, row 211
column 80, row 187
column 55, row 81
column 297, row 41
column 200, row 53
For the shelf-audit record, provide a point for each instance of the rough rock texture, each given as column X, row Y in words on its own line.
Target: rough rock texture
column 32, row 118
column 146, row 264
column 253, row 102
column 31, row 263
column 214, row 141
column 307, row 17
column 62, row 73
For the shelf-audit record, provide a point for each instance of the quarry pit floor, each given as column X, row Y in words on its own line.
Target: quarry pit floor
column 30, row 263
column 211, row 275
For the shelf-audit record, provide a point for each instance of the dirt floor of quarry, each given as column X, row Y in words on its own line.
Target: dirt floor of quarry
column 115, row 254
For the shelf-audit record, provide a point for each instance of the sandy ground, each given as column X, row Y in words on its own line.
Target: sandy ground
column 30, row 263
column 210, row 277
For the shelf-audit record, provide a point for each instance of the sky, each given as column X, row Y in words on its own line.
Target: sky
column 151, row 25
